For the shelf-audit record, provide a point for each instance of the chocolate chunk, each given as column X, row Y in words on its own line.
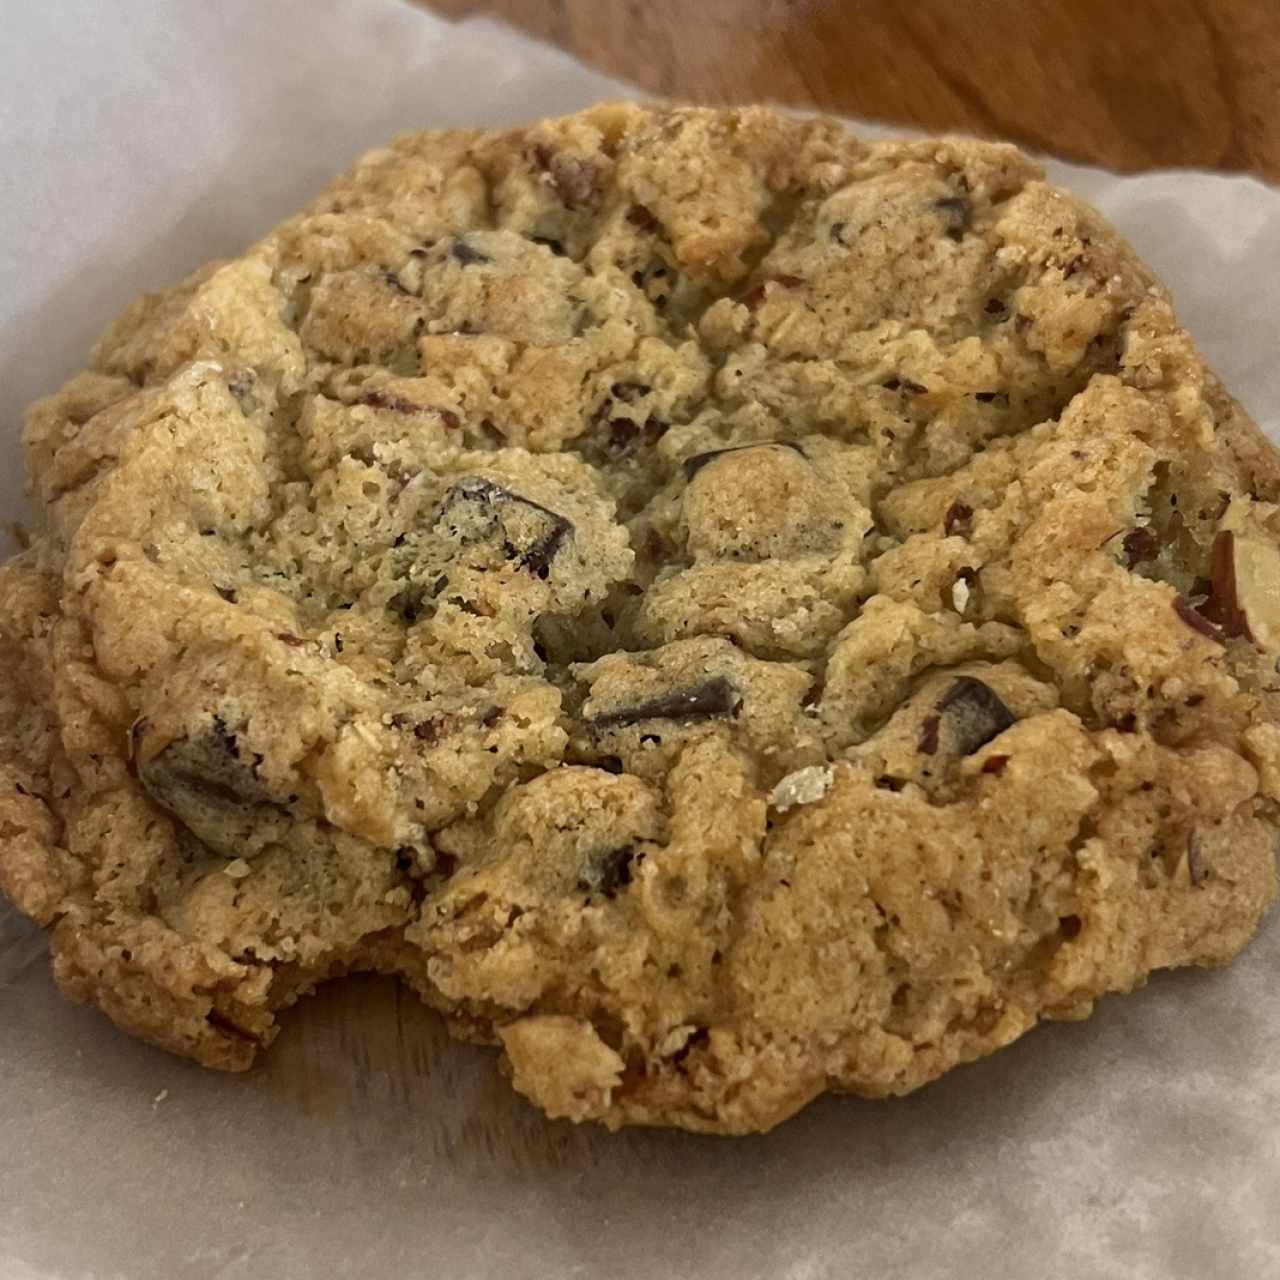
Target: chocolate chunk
column 717, row 697
column 995, row 764
column 699, row 460
column 1197, row 622
column 957, row 212
column 287, row 637
column 698, row 1039
column 973, row 714
column 642, row 219
column 1069, row 927
column 465, row 254
column 958, row 516
column 996, row 307
column 475, row 509
column 201, row 779
column 929, row 735
column 1140, row 544
column 227, row 593
column 609, row 873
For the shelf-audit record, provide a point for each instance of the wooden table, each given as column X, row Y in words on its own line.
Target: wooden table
column 1130, row 84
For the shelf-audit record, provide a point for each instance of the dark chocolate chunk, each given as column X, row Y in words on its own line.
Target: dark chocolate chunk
column 613, row 870
column 200, row 779
column 717, row 697
column 1069, row 927
column 699, row 460
column 973, row 713
column 698, row 1039
column 287, row 637
column 642, row 219
column 958, row 516
column 1140, row 544
column 929, row 735
column 957, row 212
column 474, row 509
column 995, row 764
column 227, row 593
column 467, row 255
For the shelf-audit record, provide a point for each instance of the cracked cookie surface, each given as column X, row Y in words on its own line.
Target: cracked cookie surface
column 723, row 610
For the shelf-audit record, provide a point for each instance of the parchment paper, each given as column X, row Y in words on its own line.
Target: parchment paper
column 139, row 139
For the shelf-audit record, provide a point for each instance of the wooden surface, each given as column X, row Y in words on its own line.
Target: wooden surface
column 1130, row 84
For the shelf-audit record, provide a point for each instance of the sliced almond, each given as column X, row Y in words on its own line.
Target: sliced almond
column 1245, row 577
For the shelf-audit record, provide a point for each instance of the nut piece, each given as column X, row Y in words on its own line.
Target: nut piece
column 1244, row 574
column 804, row 786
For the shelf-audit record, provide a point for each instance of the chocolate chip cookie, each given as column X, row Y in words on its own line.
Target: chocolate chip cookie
column 723, row 610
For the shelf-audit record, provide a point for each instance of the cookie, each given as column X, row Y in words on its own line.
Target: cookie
column 723, row 610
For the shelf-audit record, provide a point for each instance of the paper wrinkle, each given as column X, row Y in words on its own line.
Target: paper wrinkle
column 1145, row 1142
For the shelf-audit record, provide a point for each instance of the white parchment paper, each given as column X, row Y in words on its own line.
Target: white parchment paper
column 139, row 139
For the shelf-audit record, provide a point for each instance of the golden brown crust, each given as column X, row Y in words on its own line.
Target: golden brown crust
column 723, row 610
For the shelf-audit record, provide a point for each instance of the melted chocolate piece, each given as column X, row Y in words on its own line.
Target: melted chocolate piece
column 463, row 253
column 472, row 510
column 609, row 873
column 699, row 460
column 1140, row 544
column 957, row 213
column 717, row 697
column 974, row 714
column 203, row 780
